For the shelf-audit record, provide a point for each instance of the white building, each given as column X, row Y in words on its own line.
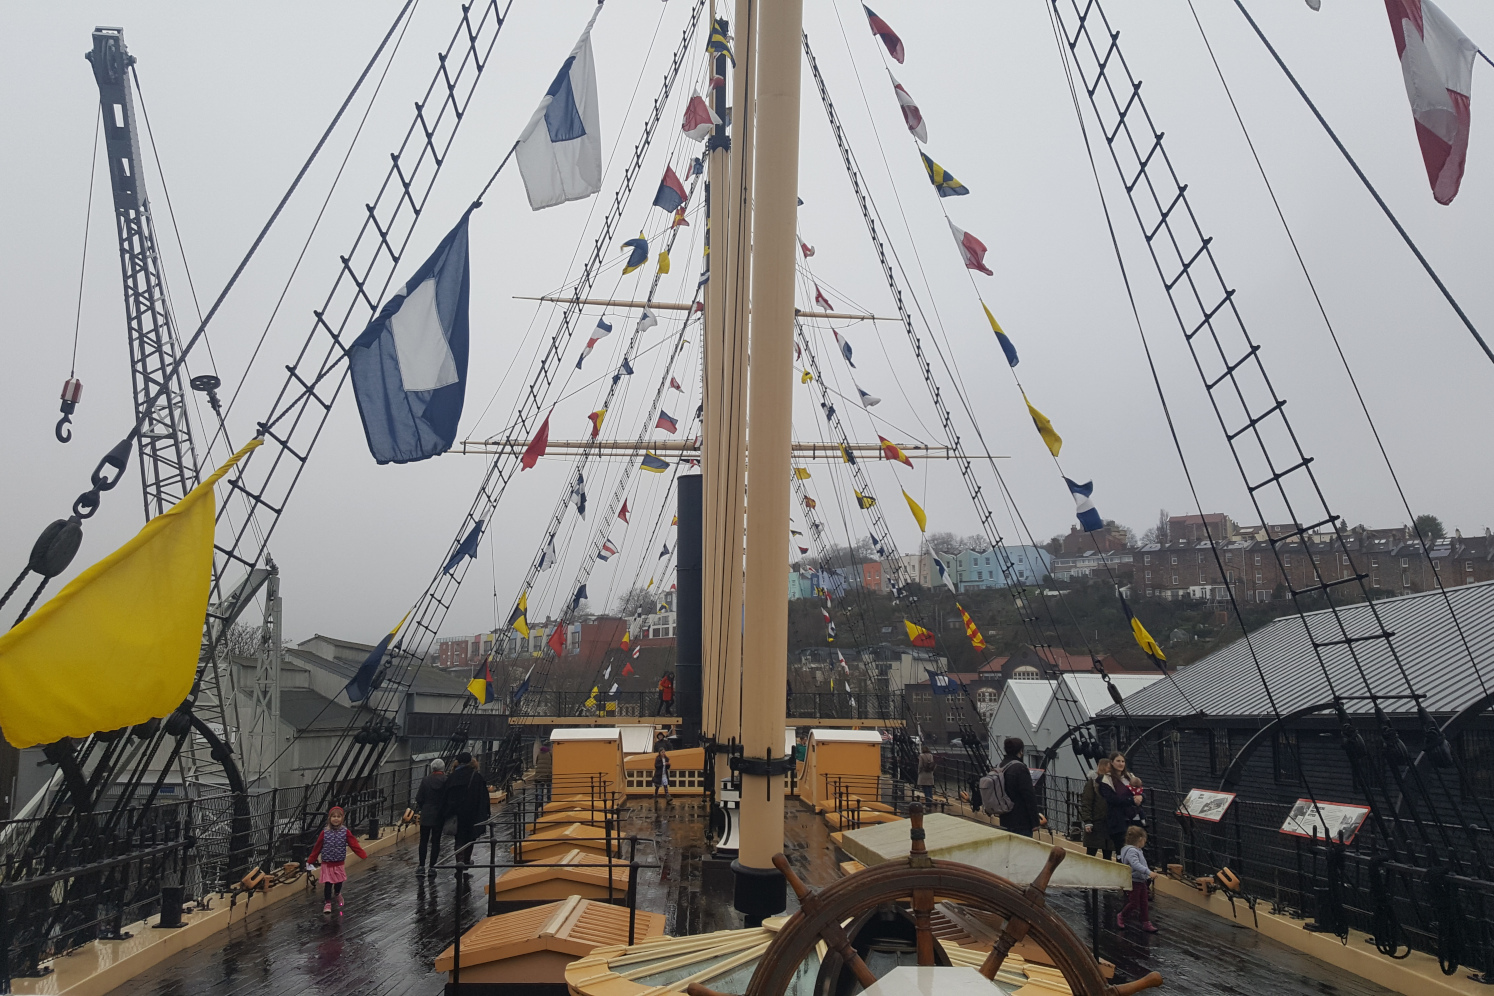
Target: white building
column 1041, row 711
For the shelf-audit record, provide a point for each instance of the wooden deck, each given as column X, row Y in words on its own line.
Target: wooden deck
column 396, row 923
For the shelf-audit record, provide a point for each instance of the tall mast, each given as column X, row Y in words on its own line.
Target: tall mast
column 775, row 185
column 724, row 402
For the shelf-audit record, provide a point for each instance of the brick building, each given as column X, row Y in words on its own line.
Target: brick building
column 1108, row 538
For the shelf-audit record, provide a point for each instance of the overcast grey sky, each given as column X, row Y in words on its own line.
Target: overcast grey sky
column 238, row 94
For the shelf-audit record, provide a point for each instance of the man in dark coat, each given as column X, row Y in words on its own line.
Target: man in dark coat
column 1024, row 816
column 428, row 804
column 466, row 798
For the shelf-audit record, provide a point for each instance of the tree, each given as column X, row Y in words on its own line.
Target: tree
column 1430, row 527
column 636, row 601
column 242, row 640
column 1161, row 532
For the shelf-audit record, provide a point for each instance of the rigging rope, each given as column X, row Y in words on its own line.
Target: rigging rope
column 1390, row 215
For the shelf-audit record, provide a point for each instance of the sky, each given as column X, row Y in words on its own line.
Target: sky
column 236, row 100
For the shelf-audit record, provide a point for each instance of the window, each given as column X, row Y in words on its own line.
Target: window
column 1174, row 559
column 1374, row 580
column 988, row 561
column 1200, row 558
column 1229, row 556
column 1147, row 558
column 1468, row 567
column 1149, row 593
column 1405, row 579
column 1231, row 577
column 1374, row 561
column 1437, row 566
column 1174, row 579
column 1257, row 560
column 1344, row 557
column 1148, row 575
column 1257, row 577
column 980, row 575
column 1405, row 562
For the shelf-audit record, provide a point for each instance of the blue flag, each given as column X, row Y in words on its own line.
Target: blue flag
column 467, row 548
column 942, row 684
column 409, row 366
column 1089, row 516
column 580, row 597
column 365, row 680
column 639, row 254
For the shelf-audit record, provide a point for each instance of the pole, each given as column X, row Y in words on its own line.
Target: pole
column 713, row 341
column 687, row 610
column 760, row 888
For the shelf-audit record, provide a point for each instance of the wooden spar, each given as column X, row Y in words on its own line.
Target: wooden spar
column 602, row 449
column 775, row 186
column 599, row 302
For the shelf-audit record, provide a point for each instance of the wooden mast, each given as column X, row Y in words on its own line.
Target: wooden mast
column 760, row 889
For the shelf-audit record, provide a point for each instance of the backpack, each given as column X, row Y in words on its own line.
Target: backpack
column 993, row 797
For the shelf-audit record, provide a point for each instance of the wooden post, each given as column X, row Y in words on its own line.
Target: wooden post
column 770, row 432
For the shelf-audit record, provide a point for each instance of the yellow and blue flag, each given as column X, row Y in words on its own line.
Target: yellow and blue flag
column 1005, row 343
column 943, row 180
column 518, row 619
column 363, row 681
column 653, row 464
column 719, row 43
column 639, row 254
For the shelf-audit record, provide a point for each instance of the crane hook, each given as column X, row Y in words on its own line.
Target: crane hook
column 72, row 393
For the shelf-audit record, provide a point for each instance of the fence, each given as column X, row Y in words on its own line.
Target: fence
column 1357, row 885
column 69, row 878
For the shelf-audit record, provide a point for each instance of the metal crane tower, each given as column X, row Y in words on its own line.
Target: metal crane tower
column 168, row 460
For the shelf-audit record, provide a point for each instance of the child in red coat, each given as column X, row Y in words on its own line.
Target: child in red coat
column 332, row 846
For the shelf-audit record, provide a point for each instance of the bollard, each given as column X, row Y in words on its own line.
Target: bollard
column 171, row 907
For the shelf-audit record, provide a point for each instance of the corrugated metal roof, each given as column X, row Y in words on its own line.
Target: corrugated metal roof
column 1032, row 695
column 1227, row 683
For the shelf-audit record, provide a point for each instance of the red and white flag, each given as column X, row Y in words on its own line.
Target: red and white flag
column 821, row 300
column 675, row 384
column 699, row 119
column 912, row 116
column 972, row 250
column 622, row 513
column 1437, row 63
column 806, row 249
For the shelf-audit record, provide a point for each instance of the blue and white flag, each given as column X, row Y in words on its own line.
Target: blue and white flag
column 548, row 557
column 409, row 366
column 578, row 495
column 867, row 400
column 941, row 684
column 845, row 347
column 560, row 152
column 1089, row 516
column 467, row 548
column 943, row 571
column 578, row 598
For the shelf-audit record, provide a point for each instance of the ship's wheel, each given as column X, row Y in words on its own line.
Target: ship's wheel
column 823, row 914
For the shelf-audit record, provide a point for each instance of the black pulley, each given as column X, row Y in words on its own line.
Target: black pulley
column 146, row 730
column 55, row 548
column 180, row 721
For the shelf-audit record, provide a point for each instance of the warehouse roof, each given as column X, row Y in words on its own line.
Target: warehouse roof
column 1426, row 639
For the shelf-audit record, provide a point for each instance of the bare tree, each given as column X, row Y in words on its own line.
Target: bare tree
column 242, row 640
column 1161, row 532
column 637, row 601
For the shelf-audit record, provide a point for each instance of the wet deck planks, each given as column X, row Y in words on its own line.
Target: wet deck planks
column 397, row 922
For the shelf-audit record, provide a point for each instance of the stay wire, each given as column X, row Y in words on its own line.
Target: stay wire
column 87, row 218
column 1167, row 413
column 1338, row 347
column 1390, row 215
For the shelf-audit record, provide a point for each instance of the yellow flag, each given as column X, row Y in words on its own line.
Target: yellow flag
column 845, row 454
column 923, row 520
column 864, row 501
column 1045, row 428
column 806, row 377
column 1143, row 638
column 478, row 687
column 143, row 604
column 992, row 319
column 802, row 473
column 663, row 261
